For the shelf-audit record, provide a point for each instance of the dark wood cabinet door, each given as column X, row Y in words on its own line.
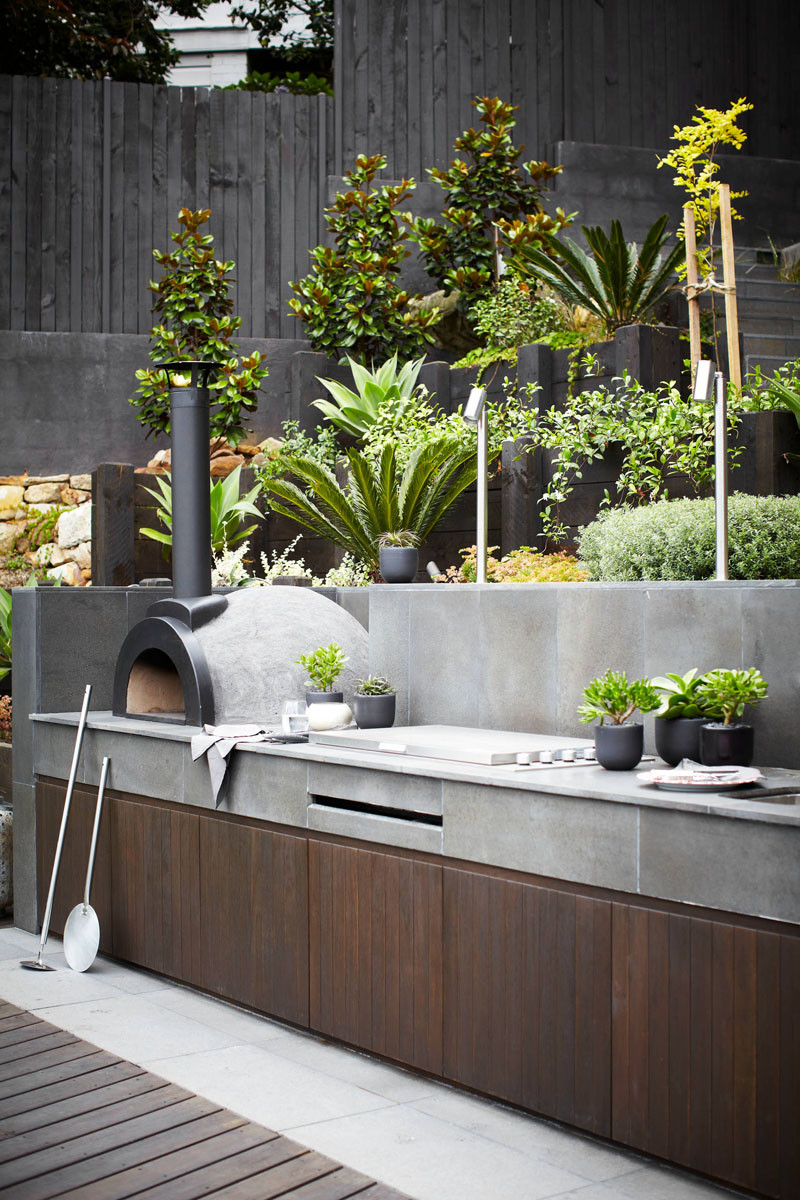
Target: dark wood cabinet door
column 254, row 917
column 74, row 858
column 375, row 947
column 527, row 996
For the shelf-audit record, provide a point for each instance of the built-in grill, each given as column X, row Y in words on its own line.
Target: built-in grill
column 162, row 673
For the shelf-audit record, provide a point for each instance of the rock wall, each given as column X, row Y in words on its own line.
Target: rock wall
column 46, row 521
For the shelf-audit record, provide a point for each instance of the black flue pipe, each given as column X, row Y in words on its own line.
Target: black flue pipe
column 191, row 514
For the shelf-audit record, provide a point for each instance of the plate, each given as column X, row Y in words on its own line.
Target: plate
column 724, row 782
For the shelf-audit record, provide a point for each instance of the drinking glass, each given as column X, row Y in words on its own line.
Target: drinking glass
column 294, row 717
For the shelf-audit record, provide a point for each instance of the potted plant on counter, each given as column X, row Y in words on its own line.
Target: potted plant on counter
column 326, row 708
column 682, row 713
column 620, row 745
column 374, row 703
column 399, row 555
column 726, row 693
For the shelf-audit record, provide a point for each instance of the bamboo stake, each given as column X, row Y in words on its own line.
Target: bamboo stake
column 729, row 279
column 691, row 294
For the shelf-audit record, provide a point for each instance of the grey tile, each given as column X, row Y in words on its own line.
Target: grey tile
column 197, row 780
column 692, row 625
column 658, row 1182
column 142, row 766
column 53, row 749
column 444, row 669
column 743, row 866
column 25, row 856
column 369, row 828
column 266, row 786
column 365, row 1072
column 388, row 642
column 80, row 632
column 138, row 601
column 559, row 836
column 355, row 600
column 383, row 788
column 39, row 991
column 244, row 1027
column 25, row 673
column 517, row 655
column 599, row 627
column 771, row 620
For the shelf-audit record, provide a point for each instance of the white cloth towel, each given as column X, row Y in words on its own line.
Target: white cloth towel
column 216, row 742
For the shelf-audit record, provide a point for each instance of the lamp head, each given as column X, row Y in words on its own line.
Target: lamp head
column 474, row 406
column 703, row 388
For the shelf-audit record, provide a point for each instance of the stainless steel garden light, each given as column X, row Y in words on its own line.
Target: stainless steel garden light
column 475, row 414
column 707, row 379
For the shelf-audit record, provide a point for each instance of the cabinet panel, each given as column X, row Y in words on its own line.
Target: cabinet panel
column 375, row 952
column 527, row 976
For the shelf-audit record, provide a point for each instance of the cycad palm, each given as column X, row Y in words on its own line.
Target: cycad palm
column 377, row 499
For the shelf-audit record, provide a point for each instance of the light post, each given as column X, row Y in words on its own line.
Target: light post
column 707, row 380
column 475, row 414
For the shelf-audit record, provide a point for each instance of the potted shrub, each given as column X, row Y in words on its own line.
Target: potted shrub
column 725, row 693
column 399, row 555
column 680, row 717
column 374, row 703
column 620, row 745
column 326, row 708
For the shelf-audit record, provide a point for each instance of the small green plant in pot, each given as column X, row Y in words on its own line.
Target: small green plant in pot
column 324, row 666
column 679, row 719
column 374, row 703
column 398, row 555
column 726, row 693
column 619, row 745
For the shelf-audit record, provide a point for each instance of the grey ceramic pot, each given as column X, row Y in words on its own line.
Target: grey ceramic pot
column 374, row 712
column 619, row 747
column 726, row 745
column 678, row 737
column 398, row 564
column 324, row 697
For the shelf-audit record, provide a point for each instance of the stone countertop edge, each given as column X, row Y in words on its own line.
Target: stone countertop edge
column 584, row 782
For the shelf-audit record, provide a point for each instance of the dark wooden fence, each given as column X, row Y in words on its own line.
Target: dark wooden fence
column 92, row 176
column 621, row 72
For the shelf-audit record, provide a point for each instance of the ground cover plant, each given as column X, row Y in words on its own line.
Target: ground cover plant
column 197, row 322
column 352, row 299
column 675, row 539
column 524, row 565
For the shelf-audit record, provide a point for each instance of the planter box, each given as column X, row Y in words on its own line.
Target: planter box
column 6, row 777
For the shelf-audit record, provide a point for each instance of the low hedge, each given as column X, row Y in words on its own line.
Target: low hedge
column 675, row 539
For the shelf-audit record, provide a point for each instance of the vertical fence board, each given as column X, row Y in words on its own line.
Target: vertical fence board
column 117, row 235
column 93, row 154
column 6, row 150
column 144, row 255
column 63, row 260
column 201, row 146
column 287, row 199
column 258, row 136
column 48, row 237
column 272, row 216
column 33, row 225
column 243, row 195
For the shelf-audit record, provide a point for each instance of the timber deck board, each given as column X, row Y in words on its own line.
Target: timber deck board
column 78, row 1122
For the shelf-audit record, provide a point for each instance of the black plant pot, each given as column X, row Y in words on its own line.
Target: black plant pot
column 324, row 697
column 726, row 745
column 374, row 712
column 678, row 737
column 399, row 564
column 619, row 747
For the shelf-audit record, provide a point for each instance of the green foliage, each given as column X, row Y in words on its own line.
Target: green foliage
column 778, row 391
column 729, row 691
column 459, row 253
column 5, row 633
column 661, row 435
column 41, row 527
column 294, row 82
column 324, row 666
column 674, row 539
column 617, row 282
column 512, row 315
column 289, row 24
column 696, row 172
column 81, row 39
column 611, row 695
column 352, row 299
column 681, row 695
column 5, row 718
column 374, row 685
column 322, row 448
column 196, row 309
column 382, row 388
column 402, row 539
column 525, row 565
column 378, row 498
column 227, row 512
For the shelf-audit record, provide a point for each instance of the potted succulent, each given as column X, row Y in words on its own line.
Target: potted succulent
column 620, row 745
column 374, row 703
column 725, row 693
column 326, row 708
column 399, row 555
column 682, row 713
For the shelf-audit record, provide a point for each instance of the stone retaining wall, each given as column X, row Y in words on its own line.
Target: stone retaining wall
column 67, row 552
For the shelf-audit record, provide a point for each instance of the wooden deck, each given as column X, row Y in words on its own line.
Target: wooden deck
column 78, row 1122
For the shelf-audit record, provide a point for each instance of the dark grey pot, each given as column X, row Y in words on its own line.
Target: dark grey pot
column 619, row 747
column 726, row 745
column 374, row 712
column 678, row 737
column 324, row 697
column 398, row 564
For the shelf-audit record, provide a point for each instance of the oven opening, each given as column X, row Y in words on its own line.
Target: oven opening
column 154, row 686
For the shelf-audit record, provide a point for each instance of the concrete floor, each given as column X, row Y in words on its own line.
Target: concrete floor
column 424, row 1138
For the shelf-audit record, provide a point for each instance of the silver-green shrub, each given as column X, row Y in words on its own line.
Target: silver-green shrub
column 674, row 539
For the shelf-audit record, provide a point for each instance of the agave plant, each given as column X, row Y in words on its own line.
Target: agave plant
column 618, row 283
column 378, row 499
column 227, row 512
column 355, row 412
